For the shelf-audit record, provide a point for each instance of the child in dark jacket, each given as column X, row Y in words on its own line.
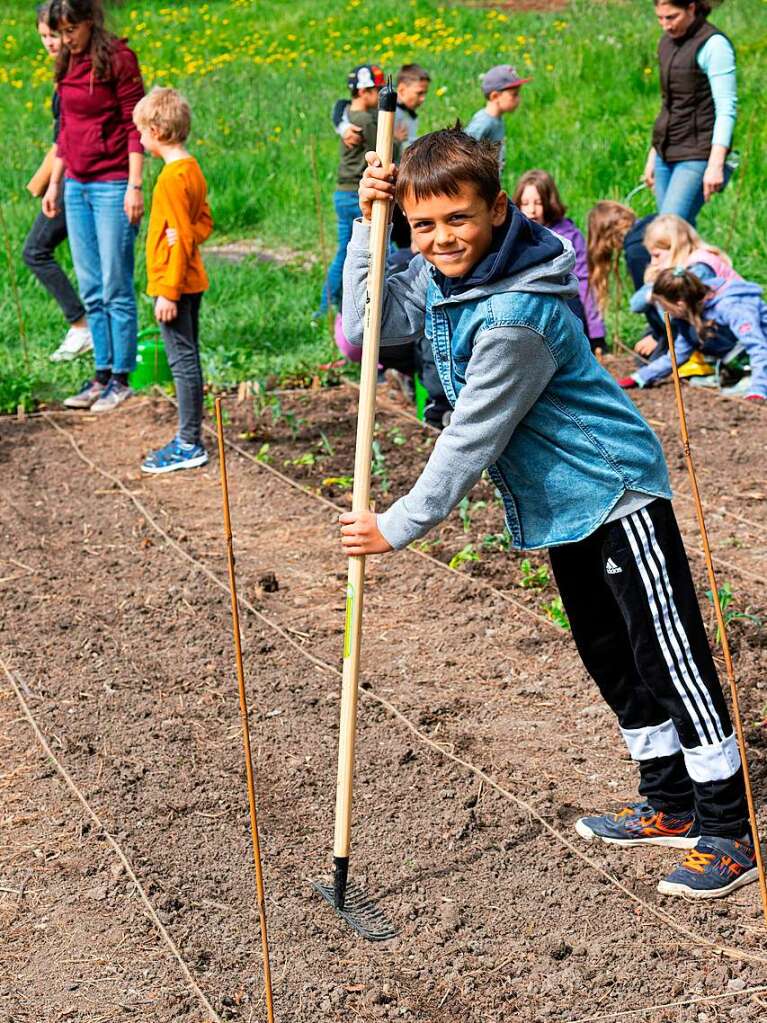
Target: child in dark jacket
column 537, row 196
column 49, row 232
column 579, row 471
column 727, row 315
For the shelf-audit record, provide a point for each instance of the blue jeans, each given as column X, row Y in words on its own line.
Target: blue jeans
column 102, row 240
column 679, row 187
column 347, row 210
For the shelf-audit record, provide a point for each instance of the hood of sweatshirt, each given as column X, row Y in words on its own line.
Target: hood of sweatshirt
column 523, row 256
column 731, row 290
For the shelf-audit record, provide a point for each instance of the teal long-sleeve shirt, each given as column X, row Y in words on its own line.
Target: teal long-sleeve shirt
column 716, row 59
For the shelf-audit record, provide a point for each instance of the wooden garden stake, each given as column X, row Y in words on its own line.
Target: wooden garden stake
column 244, row 717
column 719, row 617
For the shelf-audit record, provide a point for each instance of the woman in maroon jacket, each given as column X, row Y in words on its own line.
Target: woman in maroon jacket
column 99, row 161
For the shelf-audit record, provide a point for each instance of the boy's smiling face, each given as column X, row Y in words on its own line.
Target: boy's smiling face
column 454, row 232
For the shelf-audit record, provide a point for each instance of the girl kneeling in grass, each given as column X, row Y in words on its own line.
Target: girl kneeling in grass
column 725, row 315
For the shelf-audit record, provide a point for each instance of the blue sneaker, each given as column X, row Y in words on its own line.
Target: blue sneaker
column 175, row 455
column 640, row 824
column 716, row 867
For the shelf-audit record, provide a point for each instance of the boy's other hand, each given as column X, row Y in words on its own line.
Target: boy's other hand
column 352, row 136
column 165, row 310
column 360, row 534
column 171, row 236
column 377, row 182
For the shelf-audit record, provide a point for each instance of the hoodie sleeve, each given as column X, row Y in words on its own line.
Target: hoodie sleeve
column 509, row 369
column 129, row 89
column 404, row 297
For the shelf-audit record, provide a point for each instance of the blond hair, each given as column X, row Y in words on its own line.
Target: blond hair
column 670, row 232
column 166, row 112
column 609, row 223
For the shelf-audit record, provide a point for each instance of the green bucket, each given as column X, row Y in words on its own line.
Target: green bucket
column 151, row 361
column 421, row 397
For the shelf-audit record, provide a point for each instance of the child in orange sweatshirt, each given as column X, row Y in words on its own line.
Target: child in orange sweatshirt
column 180, row 220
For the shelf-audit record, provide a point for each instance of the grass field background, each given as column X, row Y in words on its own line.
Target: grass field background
column 262, row 77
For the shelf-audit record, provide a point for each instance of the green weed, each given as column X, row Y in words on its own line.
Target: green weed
column 556, row 612
column 463, row 556
column 379, row 468
column 496, row 541
column 533, row 578
column 466, row 510
column 726, row 597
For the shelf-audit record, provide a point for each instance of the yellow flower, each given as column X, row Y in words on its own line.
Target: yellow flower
column 648, row 70
column 441, row 90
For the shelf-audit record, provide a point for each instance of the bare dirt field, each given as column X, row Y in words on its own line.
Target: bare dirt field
column 481, row 740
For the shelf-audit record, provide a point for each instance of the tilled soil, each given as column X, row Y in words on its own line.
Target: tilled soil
column 122, row 641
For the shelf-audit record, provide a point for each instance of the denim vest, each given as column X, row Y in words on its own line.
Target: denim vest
column 581, row 446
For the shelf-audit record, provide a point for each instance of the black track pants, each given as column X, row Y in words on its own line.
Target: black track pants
column 636, row 622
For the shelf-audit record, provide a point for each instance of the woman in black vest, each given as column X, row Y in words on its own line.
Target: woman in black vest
column 693, row 132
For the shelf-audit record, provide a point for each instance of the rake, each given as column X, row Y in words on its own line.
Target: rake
column 737, row 720
column 348, row 899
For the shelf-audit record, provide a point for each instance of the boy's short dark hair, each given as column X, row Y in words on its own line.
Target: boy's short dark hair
column 412, row 73
column 440, row 162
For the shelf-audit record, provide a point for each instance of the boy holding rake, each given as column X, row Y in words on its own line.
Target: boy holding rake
column 579, row 472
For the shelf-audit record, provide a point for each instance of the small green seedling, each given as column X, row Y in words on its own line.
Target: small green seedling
column 396, row 436
column 726, row 597
column 307, row 458
column 263, row 454
column 556, row 612
column 325, row 444
column 533, row 578
column 342, row 482
column 466, row 554
column 496, row 541
column 465, row 510
column 379, row 468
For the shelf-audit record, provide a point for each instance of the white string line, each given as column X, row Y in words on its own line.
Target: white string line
column 703, row 1000
column 719, row 949
column 71, row 784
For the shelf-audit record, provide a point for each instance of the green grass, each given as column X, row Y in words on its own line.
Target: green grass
column 261, row 78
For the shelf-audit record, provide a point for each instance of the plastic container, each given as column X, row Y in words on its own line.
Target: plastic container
column 151, row 361
column 421, row 397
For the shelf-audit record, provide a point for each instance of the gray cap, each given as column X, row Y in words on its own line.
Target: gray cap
column 501, row 77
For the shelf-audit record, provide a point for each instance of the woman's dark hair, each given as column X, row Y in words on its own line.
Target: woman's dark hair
column 677, row 285
column 440, row 162
column 42, row 14
column 553, row 207
column 702, row 7
column 102, row 40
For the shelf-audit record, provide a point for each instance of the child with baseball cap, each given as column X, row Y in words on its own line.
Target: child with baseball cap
column 365, row 82
column 501, row 86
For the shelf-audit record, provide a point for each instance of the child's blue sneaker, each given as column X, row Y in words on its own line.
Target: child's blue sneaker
column 175, row 455
column 640, row 824
column 715, row 868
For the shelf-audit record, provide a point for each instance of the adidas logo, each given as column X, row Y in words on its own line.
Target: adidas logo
column 612, row 568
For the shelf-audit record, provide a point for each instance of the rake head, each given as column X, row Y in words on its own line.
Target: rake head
column 359, row 911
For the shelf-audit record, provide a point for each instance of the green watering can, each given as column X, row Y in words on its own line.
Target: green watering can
column 151, row 361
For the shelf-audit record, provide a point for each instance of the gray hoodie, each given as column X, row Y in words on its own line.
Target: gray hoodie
column 509, row 368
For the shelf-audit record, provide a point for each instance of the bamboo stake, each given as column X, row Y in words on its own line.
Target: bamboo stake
column 244, row 716
column 719, row 617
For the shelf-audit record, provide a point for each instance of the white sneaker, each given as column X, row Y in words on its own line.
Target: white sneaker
column 114, row 394
column 78, row 341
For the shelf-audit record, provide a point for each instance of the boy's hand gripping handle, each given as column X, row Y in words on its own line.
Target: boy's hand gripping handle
column 387, row 103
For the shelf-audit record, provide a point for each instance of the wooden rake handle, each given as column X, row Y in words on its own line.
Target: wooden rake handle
column 361, row 493
column 737, row 720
